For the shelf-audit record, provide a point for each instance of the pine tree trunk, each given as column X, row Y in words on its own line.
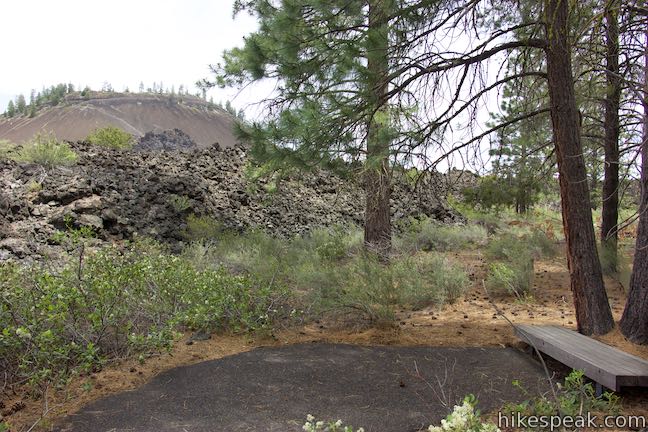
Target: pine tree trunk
column 377, row 235
column 634, row 322
column 610, row 195
column 593, row 314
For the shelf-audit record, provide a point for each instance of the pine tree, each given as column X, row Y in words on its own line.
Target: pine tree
column 593, row 313
column 333, row 60
column 521, row 150
column 11, row 109
column 21, row 104
column 634, row 322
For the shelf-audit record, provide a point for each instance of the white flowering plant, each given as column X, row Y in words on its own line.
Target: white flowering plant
column 464, row 418
column 314, row 425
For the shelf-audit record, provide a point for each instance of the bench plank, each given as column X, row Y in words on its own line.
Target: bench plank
column 604, row 364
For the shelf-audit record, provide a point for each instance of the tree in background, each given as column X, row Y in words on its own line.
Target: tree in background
column 522, row 153
column 21, row 104
column 634, row 322
column 11, row 109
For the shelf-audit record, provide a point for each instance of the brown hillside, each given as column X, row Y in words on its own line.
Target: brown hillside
column 137, row 114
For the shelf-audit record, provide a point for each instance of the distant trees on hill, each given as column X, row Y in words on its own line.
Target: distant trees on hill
column 47, row 96
column 55, row 94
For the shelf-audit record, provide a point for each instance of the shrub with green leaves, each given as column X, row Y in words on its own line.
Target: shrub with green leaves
column 431, row 279
column 6, row 149
column 111, row 136
column 575, row 397
column 330, row 272
column 46, row 150
column 202, row 228
column 180, row 203
column 118, row 304
column 515, row 278
column 429, row 235
column 512, row 270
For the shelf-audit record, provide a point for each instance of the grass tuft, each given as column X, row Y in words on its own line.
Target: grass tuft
column 46, row 150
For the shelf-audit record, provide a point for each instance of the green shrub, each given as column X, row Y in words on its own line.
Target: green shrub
column 48, row 151
column 508, row 246
column 514, row 278
column 512, row 270
column 429, row 235
column 34, row 186
column 609, row 257
column 332, row 244
column 203, row 228
column 330, row 273
column 432, row 279
column 180, row 203
column 491, row 192
column 111, row 136
column 575, row 397
column 464, row 418
column 373, row 288
column 6, row 149
column 542, row 246
column 121, row 303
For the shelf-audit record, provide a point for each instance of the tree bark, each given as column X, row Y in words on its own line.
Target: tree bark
column 377, row 234
column 610, row 195
column 634, row 322
column 593, row 314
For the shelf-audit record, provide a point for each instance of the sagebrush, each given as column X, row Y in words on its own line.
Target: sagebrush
column 46, row 150
column 112, row 137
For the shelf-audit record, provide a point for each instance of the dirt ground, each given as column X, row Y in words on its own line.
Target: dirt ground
column 471, row 322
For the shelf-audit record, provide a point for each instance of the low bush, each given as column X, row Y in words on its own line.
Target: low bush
column 617, row 264
column 48, row 151
column 202, row 228
column 111, row 136
column 575, row 397
column 331, row 273
column 513, row 256
column 429, row 235
column 332, row 244
column 6, row 149
column 120, row 303
column 432, row 279
column 515, row 278
column 179, row 203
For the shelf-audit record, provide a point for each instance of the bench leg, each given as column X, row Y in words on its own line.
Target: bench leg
column 599, row 390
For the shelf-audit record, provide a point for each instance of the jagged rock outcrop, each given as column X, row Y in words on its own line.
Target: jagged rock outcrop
column 123, row 193
column 174, row 139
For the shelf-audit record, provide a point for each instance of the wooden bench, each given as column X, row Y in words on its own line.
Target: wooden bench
column 605, row 365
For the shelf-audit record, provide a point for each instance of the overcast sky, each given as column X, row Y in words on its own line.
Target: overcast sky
column 121, row 42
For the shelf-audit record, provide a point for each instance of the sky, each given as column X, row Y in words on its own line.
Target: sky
column 122, row 42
